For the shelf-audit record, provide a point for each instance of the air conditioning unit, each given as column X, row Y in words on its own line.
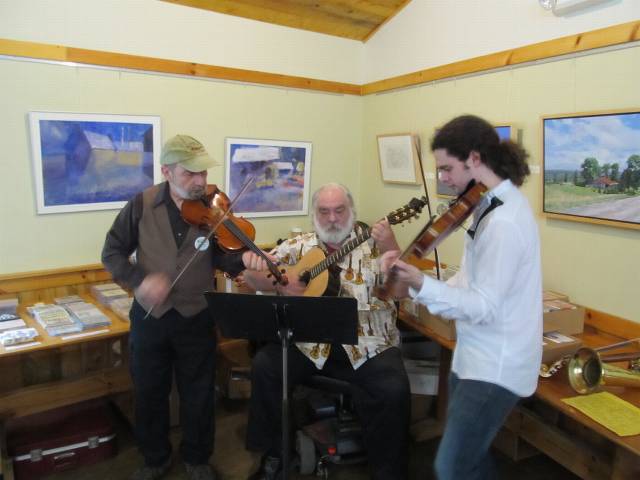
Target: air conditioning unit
column 561, row 8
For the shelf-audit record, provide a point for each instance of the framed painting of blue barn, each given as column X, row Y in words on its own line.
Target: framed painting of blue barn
column 504, row 131
column 278, row 172
column 591, row 167
column 92, row 161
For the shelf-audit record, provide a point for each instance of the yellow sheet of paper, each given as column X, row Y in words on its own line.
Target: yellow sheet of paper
column 619, row 416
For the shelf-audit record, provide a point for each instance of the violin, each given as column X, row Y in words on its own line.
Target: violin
column 435, row 231
column 233, row 233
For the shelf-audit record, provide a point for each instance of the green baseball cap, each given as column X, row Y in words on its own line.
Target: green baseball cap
column 188, row 152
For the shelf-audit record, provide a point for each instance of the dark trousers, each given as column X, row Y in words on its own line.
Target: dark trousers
column 159, row 347
column 380, row 390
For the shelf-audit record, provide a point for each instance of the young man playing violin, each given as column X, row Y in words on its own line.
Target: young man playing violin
column 373, row 367
column 172, row 330
column 495, row 298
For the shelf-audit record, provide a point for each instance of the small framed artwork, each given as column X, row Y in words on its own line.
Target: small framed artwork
column 92, row 161
column 279, row 175
column 505, row 132
column 399, row 158
column 591, row 166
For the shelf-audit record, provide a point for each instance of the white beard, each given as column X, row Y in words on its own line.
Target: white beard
column 194, row 194
column 333, row 234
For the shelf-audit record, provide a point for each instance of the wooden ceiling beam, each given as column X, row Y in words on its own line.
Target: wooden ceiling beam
column 353, row 19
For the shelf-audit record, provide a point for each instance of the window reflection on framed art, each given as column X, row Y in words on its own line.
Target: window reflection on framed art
column 92, row 161
column 280, row 174
column 591, row 167
column 398, row 155
column 505, row 132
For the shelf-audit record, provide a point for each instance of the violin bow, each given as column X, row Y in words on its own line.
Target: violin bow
column 211, row 232
column 426, row 192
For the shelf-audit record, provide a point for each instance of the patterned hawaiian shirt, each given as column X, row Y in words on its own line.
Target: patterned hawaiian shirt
column 377, row 330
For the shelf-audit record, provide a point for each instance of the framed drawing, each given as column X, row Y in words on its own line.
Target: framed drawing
column 504, row 132
column 399, row 158
column 279, row 172
column 591, row 167
column 92, row 161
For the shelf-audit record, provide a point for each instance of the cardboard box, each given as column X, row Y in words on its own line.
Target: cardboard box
column 420, row 406
column 441, row 326
column 551, row 295
column 233, row 367
column 415, row 345
column 563, row 345
column 568, row 321
column 423, row 376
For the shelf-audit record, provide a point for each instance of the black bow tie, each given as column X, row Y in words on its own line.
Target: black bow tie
column 495, row 203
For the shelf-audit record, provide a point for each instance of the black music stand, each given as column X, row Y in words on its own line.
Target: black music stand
column 285, row 320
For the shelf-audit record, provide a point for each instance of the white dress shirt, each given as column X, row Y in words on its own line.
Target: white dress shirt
column 496, row 297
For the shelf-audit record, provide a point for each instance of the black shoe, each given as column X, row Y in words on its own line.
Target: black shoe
column 270, row 469
column 200, row 472
column 151, row 473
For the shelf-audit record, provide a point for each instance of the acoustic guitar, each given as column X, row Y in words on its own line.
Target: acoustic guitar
column 312, row 267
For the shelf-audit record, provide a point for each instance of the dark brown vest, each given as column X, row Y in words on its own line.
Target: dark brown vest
column 157, row 252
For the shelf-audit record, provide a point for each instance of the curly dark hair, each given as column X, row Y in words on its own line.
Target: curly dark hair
column 468, row 133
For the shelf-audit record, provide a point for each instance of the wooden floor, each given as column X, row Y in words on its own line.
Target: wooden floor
column 233, row 462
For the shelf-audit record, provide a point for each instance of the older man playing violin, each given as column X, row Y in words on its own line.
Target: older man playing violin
column 171, row 327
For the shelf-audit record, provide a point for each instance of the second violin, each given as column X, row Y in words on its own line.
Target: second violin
column 435, row 231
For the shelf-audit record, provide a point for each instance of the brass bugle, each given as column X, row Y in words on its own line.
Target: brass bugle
column 587, row 371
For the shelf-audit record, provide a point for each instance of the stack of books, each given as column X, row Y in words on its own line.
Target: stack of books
column 54, row 319
column 68, row 299
column 87, row 314
column 9, row 318
column 18, row 336
column 9, row 305
column 107, row 293
column 121, row 307
column 10, row 321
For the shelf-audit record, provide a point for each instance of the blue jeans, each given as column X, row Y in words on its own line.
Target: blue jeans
column 475, row 413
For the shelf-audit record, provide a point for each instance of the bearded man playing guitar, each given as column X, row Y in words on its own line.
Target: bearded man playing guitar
column 374, row 367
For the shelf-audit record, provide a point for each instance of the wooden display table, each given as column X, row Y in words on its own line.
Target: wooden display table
column 560, row 431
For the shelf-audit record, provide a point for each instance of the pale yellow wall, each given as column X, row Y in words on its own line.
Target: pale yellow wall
column 596, row 265
column 210, row 111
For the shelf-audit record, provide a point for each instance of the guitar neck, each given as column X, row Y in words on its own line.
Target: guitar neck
column 340, row 253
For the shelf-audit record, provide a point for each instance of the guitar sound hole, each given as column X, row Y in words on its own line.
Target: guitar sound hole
column 305, row 277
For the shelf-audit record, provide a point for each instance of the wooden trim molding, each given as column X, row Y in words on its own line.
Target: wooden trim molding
column 604, row 37
column 14, row 283
column 60, row 53
column 607, row 323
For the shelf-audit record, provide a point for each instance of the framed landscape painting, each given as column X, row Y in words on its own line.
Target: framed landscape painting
column 92, row 161
column 592, row 167
column 279, row 175
column 505, row 132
